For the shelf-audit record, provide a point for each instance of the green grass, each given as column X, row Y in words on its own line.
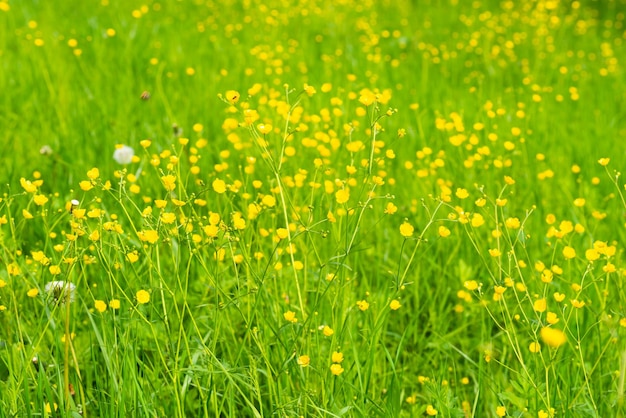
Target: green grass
column 272, row 231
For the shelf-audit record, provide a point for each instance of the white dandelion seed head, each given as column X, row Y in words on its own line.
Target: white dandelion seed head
column 46, row 150
column 61, row 290
column 124, row 155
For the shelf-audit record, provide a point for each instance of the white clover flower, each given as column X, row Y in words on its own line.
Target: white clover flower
column 59, row 289
column 124, row 155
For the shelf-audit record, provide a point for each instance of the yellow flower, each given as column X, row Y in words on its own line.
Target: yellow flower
column 367, row 97
column 604, row 161
column 40, row 199
column 406, row 229
column 282, row 233
column 304, row 360
column 27, row 185
column 363, row 305
column 290, row 316
column 431, row 411
column 310, row 90
column 269, row 201
column 100, row 306
column 494, row 252
column 443, row 232
column 211, row 230
column 169, row 182
column 461, row 193
column 395, row 305
column 132, row 257
column 336, row 369
column 471, row 285
column 569, row 252
column 477, row 220
column 150, row 235
column 500, row 411
column 95, row 235
column 534, row 347
column 390, row 209
column 85, row 185
column 26, row 214
column 265, row 128
column 232, row 96
column 168, row 217
column 552, row 318
column 512, row 223
column 142, row 296
column 32, row 292
column 552, row 336
column 219, row 186
column 540, row 305
column 592, row 254
column 342, row 196
column 336, row 357
column 547, row 276
column 114, row 304
column 94, row 213
column 49, row 407
column 327, row 331
column 609, row 268
column 238, row 221
column 250, row 116
column 79, row 213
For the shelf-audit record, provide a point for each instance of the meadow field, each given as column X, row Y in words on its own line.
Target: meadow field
column 312, row 208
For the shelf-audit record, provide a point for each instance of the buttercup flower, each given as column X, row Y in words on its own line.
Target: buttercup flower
column 143, row 297
column 406, row 229
column 100, row 306
column 290, row 316
column 232, row 96
column 337, row 357
column 336, row 369
column 304, row 360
